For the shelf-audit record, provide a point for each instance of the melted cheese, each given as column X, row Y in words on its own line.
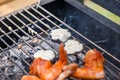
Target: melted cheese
column 60, row 34
column 72, row 46
column 44, row 54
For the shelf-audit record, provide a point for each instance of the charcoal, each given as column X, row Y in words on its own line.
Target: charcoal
column 2, row 77
column 52, row 43
column 5, row 62
column 26, row 67
column 36, row 40
column 15, row 77
column 32, row 43
column 45, row 45
column 15, row 52
column 25, row 38
column 28, row 49
column 37, row 48
column 16, row 67
column 8, row 72
column 5, row 59
column 23, row 53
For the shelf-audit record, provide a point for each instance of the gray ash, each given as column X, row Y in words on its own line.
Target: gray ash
column 14, row 67
column 11, row 63
column 14, row 59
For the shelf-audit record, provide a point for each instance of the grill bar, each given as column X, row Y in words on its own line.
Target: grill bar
column 49, row 25
column 19, row 27
column 14, row 52
column 13, row 40
column 4, row 75
column 9, row 69
column 21, row 30
column 13, row 61
column 27, row 26
column 12, row 48
column 44, row 17
column 24, row 26
column 17, row 35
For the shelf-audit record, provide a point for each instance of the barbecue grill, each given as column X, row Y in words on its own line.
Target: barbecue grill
column 25, row 31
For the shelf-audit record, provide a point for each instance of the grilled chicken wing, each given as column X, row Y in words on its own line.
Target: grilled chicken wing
column 93, row 68
column 30, row 77
column 45, row 70
column 67, row 70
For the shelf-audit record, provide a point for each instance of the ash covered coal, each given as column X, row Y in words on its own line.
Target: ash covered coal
column 15, row 62
column 12, row 62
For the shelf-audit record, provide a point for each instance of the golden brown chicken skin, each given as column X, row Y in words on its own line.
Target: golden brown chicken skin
column 44, row 68
column 67, row 70
column 93, row 68
column 30, row 77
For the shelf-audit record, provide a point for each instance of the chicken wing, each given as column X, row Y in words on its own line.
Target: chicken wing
column 44, row 68
column 30, row 77
column 93, row 68
column 67, row 70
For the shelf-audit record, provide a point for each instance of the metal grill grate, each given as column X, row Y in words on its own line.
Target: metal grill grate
column 36, row 22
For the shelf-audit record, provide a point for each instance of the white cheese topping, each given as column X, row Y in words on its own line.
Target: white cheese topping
column 44, row 54
column 60, row 34
column 72, row 46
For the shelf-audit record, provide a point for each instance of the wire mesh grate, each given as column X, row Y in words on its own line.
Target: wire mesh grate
column 22, row 28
